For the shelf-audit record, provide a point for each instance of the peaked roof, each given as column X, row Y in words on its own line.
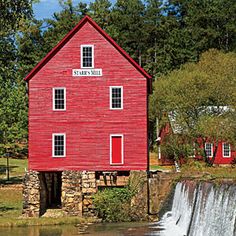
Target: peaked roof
column 71, row 34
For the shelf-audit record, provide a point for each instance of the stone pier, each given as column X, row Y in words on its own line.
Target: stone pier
column 89, row 188
column 71, row 195
column 31, row 194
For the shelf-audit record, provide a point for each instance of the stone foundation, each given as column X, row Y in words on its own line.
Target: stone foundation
column 31, row 194
column 71, row 196
column 89, row 188
column 77, row 190
column 73, row 191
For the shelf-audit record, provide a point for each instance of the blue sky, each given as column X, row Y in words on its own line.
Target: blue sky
column 46, row 8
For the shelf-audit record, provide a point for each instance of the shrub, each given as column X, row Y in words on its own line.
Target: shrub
column 114, row 204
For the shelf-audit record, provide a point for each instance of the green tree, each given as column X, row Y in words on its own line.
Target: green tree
column 128, row 27
column 100, row 11
column 13, row 100
column 202, row 97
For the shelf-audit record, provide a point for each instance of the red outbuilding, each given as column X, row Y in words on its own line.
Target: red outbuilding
column 225, row 152
column 88, row 106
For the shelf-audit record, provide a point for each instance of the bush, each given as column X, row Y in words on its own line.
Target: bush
column 114, row 204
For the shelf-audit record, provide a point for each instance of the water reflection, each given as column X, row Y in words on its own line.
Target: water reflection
column 119, row 229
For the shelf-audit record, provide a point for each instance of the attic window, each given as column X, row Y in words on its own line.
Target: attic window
column 87, row 56
column 226, row 149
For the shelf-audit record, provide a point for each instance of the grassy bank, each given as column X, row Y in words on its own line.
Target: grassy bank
column 17, row 169
column 202, row 171
column 11, row 208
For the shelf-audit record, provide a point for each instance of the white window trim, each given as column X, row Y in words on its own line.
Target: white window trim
column 211, row 149
column 223, row 150
column 122, row 149
column 53, row 139
column 53, row 99
column 120, row 108
column 81, row 55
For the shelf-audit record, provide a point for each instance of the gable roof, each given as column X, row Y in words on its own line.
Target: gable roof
column 71, row 34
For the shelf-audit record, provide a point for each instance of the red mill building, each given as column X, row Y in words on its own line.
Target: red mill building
column 88, row 114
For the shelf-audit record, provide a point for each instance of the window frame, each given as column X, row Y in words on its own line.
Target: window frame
column 122, row 98
column 81, row 56
column 53, row 99
column 122, row 149
column 211, row 149
column 53, row 147
column 223, row 149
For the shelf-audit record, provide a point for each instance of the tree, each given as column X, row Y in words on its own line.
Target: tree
column 202, row 97
column 100, row 11
column 13, row 102
column 12, row 13
column 128, row 27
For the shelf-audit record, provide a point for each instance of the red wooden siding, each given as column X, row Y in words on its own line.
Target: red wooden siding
column 87, row 121
column 219, row 159
column 116, row 149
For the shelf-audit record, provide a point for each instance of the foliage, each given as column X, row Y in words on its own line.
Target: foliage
column 13, row 100
column 201, row 171
column 160, row 35
column 114, row 204
column 202, row 98
column 12, row 13
column 176, row 147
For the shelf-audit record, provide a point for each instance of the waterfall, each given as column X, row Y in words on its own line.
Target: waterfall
column 200, row 209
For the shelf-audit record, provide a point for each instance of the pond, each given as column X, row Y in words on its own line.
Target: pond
column 112, row 229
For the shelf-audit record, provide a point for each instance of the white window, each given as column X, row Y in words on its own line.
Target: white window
column 87, row 56
column 226, row 150
column 59, row 99
column 116, row 97
column 209, row 149
column 58, row 145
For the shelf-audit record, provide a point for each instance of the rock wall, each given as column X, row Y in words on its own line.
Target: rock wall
column 160, row 190
column 138, row 184
column 31, row 194
column 89, row 188
column 71, row 195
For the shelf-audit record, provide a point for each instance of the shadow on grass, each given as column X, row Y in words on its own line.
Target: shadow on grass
column 6, row 208
column 3, row 169
column 12, row 180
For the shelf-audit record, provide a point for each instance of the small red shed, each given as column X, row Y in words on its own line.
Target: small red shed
column 225, row 152
column 88, row 106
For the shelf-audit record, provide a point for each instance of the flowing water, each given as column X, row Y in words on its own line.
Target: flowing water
column 200, row 210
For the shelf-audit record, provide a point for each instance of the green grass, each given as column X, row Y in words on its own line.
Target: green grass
column 161, row 168
column 202, row 171
column 17, row 170
column 20, row 222
column 10, row 202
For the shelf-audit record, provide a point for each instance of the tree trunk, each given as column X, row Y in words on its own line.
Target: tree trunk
column 214, row 155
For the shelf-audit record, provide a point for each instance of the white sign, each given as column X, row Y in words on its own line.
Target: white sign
column 87, row 72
